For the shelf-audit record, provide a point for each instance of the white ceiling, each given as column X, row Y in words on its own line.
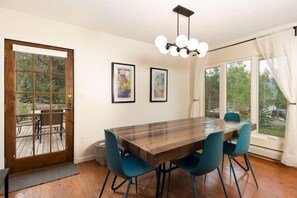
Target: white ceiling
column 217, row 22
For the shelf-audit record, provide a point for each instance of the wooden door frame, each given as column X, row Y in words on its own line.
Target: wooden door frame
column 39, row 161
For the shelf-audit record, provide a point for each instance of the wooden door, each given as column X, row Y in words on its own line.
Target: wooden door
column 38, row 105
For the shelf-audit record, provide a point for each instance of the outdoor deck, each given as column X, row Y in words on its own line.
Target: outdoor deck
column 24, row 142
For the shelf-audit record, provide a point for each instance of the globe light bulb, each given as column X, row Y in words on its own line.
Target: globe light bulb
column 173, row 51
column 163, row 50
column 202, row 47
column 160, row 41
column 181, row 41
column 201, row 55
column 193, row 44
column 183, row 53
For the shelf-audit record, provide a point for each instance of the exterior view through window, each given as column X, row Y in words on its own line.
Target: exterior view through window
column 212, row 93
column 48, row 92
column 239, row 88
column 272, row 104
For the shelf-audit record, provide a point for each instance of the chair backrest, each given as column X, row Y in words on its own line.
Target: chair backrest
column 212, row 153
column 57, row 119
column 243, row 142
column 113, row 158
column 231, row 116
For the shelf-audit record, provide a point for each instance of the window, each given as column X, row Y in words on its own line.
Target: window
column 238, row 82
column 212, row 93
column 272, row 104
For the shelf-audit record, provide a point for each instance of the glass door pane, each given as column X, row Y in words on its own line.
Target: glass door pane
column 40, row 104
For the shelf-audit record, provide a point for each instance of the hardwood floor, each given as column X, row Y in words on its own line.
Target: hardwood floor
column 274, row 179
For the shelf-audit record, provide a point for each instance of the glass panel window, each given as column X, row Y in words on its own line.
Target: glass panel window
column 24, row 82
column 239, row 88
column 24, row 103
column 212, row 92
column 42, row 63
column 272, row 104
column 58, row 83
column 59, row 64
column 23, row 61
column 42, row 83
column 58, row 101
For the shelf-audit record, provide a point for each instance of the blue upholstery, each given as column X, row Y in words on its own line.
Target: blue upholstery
column 125, row 167
column 243, row 142
column 241, row 148
column 231, row 116
column 199, row 164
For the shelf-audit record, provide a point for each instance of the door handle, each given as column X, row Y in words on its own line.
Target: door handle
column 69, row 103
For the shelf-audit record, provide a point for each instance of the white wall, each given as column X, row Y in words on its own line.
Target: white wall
column 93, row 53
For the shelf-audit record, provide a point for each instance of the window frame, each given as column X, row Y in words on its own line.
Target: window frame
column 269, row 142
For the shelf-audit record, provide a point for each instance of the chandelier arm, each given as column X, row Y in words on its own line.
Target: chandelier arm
column 177, row 25
column 189, row 28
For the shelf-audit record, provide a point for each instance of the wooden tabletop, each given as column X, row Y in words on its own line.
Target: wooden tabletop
column 160, row 142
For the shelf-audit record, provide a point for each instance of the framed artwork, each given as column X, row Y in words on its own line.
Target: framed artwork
column 123, row 82
column 158, row 85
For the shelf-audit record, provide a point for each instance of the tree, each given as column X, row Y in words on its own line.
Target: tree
column 266, row 99
column 238, row 86
column 280, row 100
column 212, row 85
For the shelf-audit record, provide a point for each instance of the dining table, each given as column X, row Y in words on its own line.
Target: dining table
column 160, row 142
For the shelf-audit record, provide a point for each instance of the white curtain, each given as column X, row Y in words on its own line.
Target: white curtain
column 199, row 67
column 280, row 51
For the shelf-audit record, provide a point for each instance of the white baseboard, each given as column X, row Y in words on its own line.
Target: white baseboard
column 84, row 159
column 265, row 152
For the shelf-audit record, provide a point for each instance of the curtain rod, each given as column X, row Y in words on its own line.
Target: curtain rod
column 248, row 40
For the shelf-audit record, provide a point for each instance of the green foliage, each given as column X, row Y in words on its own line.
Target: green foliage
column 212, row 85
column 46, row 69
column 270, row 96
column 23, row 61
column 238, row 86
column 280, row 100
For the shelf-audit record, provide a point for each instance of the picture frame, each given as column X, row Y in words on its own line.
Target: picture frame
column 158, row 85
column 123, row 82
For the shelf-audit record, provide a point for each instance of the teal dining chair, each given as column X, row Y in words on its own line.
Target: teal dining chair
column 124, row 166
column 240, row 148
column 232, row 116
column 199, row 164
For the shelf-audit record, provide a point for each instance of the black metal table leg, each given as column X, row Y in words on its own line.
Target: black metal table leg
column 158, row 181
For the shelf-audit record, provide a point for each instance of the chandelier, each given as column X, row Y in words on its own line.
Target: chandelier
column 183, row 44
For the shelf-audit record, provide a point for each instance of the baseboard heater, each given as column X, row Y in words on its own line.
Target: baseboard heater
column 267, row 153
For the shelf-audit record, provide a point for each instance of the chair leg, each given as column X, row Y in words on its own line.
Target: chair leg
column 231, row 167
column 104, row 184
column 226, row 195
column 136, row 184
column 246, row 162
column 249, row 164
column 222, row 167
column 158, row 171
column 128, row 188
column 118, row 186
column 163, row 178
column 169, row 173
column 194, row 186
column 205, row 178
